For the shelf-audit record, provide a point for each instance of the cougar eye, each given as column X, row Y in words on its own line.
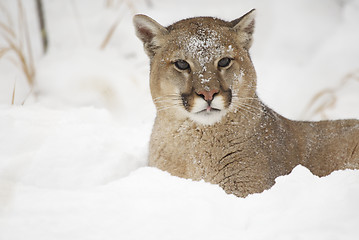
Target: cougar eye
column 182, row 65
column 224, row 62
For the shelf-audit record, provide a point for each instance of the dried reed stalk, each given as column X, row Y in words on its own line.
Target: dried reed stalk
column 110, row 33
column 110, row 3
column 327, row 98
column 13, row 94
column 18, row 44
column 41, row 17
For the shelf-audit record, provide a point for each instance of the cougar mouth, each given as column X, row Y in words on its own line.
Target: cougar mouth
column 208, row 110
column 205, row 111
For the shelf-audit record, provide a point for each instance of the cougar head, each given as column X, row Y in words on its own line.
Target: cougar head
column 200, row 67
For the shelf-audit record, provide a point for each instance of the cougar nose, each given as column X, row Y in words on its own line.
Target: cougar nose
column 208, row 95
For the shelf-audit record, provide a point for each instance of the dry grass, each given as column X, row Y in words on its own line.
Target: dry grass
column 116, row 4
column 13, row 94
column 17, row 45
column 110, row 33
column 41, row 17
column 129, row 3
column 327, row 98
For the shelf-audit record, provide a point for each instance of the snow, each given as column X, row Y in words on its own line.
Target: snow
column 150, row 204
column 201, row 48
column 73, row 157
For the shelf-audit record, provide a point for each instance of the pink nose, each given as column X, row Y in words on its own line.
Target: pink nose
column 208, row 95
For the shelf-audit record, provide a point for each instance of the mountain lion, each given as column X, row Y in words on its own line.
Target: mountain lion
column 211, row 125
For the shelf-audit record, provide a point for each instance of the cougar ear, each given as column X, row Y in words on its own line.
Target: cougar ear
column 150, row 32
column 244, row 26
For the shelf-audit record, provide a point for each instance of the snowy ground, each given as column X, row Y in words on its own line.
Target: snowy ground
column 73, row 157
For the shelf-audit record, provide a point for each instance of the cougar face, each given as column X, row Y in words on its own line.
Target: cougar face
column 200, row 67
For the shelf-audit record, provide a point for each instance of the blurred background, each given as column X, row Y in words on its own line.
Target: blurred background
column 85, row 53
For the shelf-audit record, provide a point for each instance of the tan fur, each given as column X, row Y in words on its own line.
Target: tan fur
column 244, row 145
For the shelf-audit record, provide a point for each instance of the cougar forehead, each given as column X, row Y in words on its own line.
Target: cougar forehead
column 201, row 39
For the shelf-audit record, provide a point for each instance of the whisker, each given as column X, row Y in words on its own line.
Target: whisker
column 166, row 108
column 244, row 98
column 166, row 100
column 168, row 104
column 166, row 96
column 249, row 111
column 252, row 107
column 254, row 110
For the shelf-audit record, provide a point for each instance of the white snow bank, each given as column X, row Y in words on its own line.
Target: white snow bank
column 151, row 204
column 68, row 148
